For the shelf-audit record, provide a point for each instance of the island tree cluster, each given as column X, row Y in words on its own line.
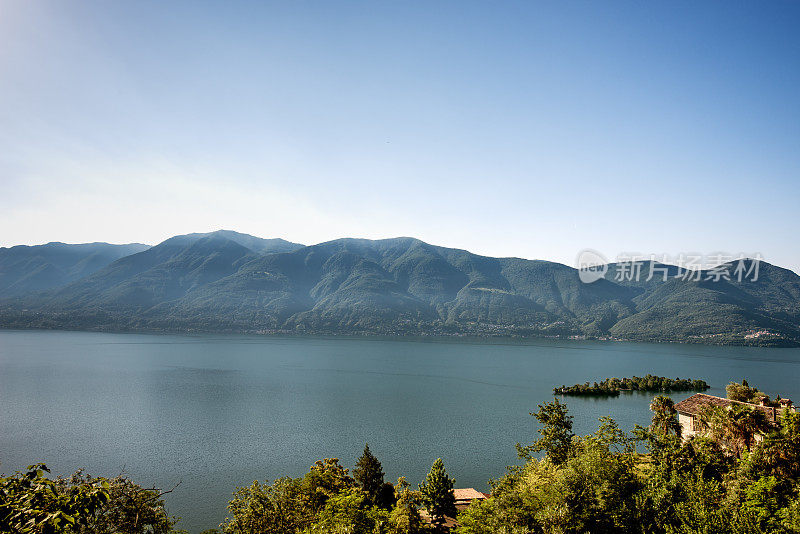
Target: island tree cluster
column 613, row 386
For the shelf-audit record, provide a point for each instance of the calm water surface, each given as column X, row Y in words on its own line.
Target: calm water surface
column 214, row 412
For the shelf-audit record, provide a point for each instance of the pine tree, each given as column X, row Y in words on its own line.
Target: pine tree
column 369, row 475
column 437, row 493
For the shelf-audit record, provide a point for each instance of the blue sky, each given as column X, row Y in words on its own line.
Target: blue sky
column 531, row 129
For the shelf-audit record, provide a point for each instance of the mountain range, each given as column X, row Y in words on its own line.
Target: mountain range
column 225, row 281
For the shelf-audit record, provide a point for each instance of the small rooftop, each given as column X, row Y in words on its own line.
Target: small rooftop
column 468, row 494
column 463, row 498
column 694, row 404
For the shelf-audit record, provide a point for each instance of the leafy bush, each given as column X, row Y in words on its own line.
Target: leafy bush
column 30, row 502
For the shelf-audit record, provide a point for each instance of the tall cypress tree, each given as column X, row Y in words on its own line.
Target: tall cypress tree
column 437, row 493
column 369, row 475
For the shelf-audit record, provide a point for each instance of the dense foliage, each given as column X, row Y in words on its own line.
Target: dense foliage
column 613, row 386
column 30, row 502
column 644, row 481
column 649, row 480
column 744, row 393
column 226, row 281
column 328, row 500
column 605, row 484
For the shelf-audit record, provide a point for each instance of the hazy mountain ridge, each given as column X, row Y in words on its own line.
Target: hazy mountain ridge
column 26, row 268
column 226, row 281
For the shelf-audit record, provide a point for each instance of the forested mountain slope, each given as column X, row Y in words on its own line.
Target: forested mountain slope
column 31, row 268
column 225, row 281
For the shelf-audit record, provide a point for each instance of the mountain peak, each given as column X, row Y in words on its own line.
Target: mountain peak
column 255, row 244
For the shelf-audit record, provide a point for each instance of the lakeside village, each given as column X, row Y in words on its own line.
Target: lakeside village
column 712, row 464
column 557, row 330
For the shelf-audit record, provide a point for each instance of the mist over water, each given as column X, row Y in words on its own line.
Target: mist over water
column 214, row 412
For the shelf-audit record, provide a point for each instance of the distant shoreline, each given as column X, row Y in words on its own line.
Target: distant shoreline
column 450, row 337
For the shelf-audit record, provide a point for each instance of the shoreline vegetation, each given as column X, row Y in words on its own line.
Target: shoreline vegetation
column 612, row 387
column 648, row 480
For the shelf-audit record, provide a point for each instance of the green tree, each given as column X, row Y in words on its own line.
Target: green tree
column 325, row 479
column 131, row 509
column 32, row 503
column 779, row 453
column 349, row 512
column 405, row 518
column 556, row 431
column 514, row 505
column 734, row 427
column 701, row 507
column 275, row 508
column 368, row 473
column 790, row 515
column 596, row 489
column 742, row 392
column 437, row 493
column 762, row 503
column 665, row 421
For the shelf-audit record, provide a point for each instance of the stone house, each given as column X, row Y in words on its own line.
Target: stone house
column 689, row 411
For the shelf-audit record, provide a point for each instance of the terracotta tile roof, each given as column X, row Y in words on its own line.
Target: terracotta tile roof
column 468, row 494
column 694, row 404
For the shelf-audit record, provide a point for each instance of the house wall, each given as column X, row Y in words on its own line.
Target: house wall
column 685, row 421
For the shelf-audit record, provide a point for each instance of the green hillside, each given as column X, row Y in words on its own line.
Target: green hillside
column 32, row 268
column 225, row 281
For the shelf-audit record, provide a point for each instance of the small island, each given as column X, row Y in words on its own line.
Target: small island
column 613, row 386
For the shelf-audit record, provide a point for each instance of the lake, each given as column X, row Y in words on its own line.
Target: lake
column 216, row 412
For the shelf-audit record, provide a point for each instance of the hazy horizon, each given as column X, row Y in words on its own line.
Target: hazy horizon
column 510, row 129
